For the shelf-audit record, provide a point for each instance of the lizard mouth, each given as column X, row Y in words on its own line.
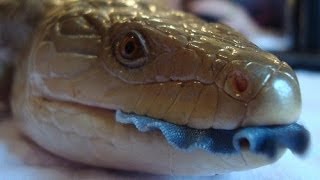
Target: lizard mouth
column 265, row 140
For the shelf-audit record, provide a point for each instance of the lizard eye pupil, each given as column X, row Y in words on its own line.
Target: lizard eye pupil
column 131, row 50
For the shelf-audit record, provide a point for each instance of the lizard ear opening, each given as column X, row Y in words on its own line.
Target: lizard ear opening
column 130, row 50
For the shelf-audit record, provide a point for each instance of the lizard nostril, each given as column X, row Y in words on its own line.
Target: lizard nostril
column 244, row 144
column 239, row 81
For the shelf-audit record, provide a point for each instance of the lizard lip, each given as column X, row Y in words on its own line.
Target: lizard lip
column 266, row 140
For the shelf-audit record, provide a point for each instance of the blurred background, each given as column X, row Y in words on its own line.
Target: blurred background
column 288, row 28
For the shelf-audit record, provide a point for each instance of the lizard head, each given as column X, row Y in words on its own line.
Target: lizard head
column 172, row 68
column 206, row 75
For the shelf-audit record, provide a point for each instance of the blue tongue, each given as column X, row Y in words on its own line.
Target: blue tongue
column 266, row 140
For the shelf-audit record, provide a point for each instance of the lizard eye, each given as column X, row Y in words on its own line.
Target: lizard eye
column 131, row 50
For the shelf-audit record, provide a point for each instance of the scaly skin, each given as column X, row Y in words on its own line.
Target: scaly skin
column 70, row 83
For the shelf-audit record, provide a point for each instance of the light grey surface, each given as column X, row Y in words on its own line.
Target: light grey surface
column 21, row 159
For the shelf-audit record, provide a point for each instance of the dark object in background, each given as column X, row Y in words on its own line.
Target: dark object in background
column 208, row 18
column 6, row 71
column 303, row 24
column 297, row 19
column 260, row 11
column 307, row 37
column 301, row 60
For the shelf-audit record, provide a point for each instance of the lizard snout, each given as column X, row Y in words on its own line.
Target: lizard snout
column 278, row 102
column 270, row 93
